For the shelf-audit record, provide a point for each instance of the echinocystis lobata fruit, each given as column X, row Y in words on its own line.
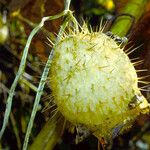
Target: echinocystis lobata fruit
column 94, row 83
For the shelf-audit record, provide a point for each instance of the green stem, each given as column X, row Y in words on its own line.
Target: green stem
column 49, row 135
column 22, row 68
column 123, row 23
column 20, row 17
column 67, row 4
column 29, row 84
column 44, row 77
column 40, row 91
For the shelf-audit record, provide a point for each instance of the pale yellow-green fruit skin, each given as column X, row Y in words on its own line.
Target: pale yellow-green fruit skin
column 93, row 82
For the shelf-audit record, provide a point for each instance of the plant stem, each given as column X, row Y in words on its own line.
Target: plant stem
column 22, row 68
column 122, row 25
column 44, row 77
column 67, row 4
column 40, row 92
column 49, row 135
column 33, row 25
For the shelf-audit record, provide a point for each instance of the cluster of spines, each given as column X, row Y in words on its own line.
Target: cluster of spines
column 84, row 30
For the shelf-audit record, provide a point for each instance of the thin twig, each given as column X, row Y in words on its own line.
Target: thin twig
column 21, row 69
column 44, row 77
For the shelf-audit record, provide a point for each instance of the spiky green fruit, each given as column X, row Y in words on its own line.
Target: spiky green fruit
column 94, row 83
